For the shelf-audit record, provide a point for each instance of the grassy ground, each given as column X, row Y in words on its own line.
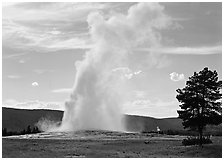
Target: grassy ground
column 146, row 147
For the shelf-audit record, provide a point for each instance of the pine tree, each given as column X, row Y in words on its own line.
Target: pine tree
column 4, row 132
column 201, row 101
column 28, row 131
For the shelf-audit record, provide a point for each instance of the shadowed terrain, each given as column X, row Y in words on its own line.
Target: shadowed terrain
column 105, row 144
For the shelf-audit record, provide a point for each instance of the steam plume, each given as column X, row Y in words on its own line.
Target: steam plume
column 96, row 100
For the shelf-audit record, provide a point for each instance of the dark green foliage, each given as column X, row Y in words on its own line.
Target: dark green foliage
column 35, row 130
column 188, row 132
column 201, row 101
column 4, row 131
column 179, row 132
column 29, row 130
column 23, row 132
column 195, row 141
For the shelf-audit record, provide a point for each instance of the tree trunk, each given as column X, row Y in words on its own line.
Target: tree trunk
column 200, row 136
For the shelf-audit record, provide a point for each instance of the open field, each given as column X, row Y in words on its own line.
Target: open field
column 105, row 144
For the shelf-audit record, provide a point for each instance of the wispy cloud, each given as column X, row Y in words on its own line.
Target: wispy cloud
column 176, row 77
column 33, row 104
column 146, row 107
column 9, row 102
column 149, row 103
column 12, row 55
column 51, row 11
column 47, row 26
column 22, row 61
column 204, row 50
column 72, row 43
column 126, row 72
column 41, row 71
column 14, row 76
column 194, row 50
column 50, row 27
column 139, row 94
column 62, row 90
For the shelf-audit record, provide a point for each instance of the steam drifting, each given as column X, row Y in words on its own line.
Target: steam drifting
column 98, row 93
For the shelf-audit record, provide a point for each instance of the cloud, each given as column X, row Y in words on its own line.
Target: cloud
column 9, row 102
column 55, row 32
column 14, row 76
column 35, row 84
column 62, row 90
column 6, row 4
column 22, row 61
column 131, row 74
column 126, row 72
column 122, row 69
column 194, row 50
column 41, row 71
column 50, row 27
column 204, row 50
column 147, row 107
column 33, row 104
column 47, row 26
column 137, row 72
column 51, row 11
column 149, row 103
column 11, row 55
column 142, row 102
column 72, row 43
column 139, row 94
column 176, row 77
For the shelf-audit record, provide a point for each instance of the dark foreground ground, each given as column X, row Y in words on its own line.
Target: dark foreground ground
column 106, row 145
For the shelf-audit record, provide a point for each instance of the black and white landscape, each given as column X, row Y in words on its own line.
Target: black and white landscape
column 111, row 79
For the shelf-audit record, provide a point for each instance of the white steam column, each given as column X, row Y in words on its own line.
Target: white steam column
column 98, row 92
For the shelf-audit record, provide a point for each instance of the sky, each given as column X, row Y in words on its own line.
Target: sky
column 42, row 41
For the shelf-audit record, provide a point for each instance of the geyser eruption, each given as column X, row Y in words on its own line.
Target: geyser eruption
column 99, row 90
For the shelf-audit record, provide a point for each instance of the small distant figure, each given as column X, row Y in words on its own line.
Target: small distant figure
column 158, row 129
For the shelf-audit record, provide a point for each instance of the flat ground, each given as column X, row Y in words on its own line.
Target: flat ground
column 106, row 145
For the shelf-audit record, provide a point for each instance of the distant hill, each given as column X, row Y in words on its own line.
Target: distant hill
column 19, row 119
column 140, row 123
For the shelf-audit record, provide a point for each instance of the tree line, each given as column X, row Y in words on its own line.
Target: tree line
column 28, row 130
